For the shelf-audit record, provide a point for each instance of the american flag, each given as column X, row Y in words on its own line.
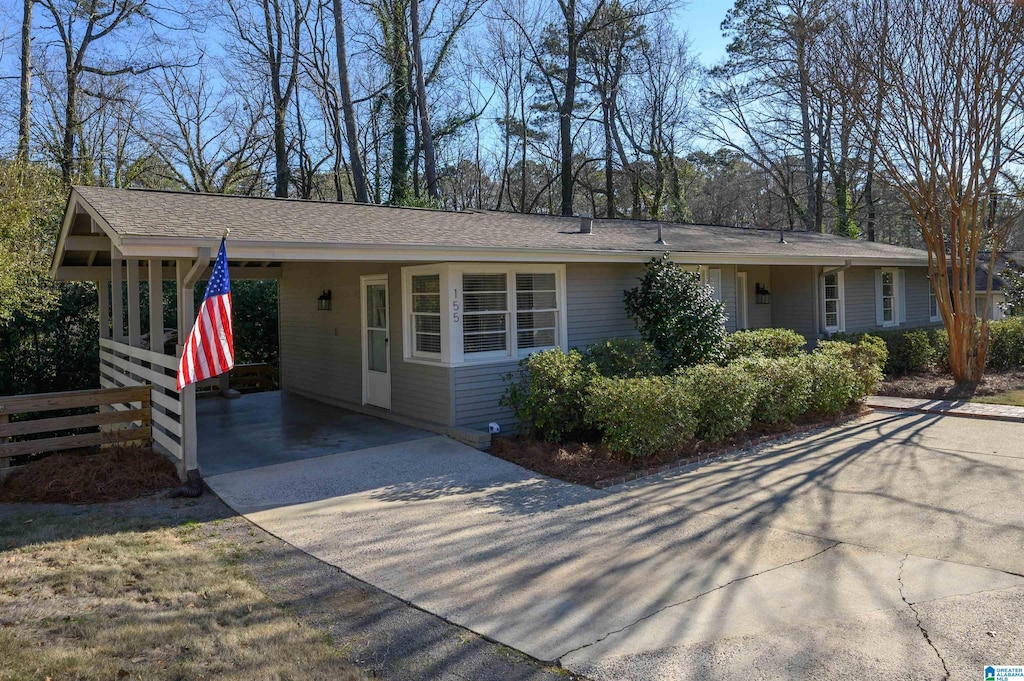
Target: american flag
column 210, row 349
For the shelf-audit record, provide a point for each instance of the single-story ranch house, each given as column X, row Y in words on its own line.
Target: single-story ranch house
column 429, row 309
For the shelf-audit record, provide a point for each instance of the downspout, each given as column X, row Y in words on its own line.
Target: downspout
column 819, row 285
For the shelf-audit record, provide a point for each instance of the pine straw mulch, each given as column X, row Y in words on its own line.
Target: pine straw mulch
column 940, row 386
column 591, row 464
column 91, row 476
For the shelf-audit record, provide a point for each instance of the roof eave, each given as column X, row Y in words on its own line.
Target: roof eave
column 174, row 247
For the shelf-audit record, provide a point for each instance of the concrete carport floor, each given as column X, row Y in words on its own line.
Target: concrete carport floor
column 261, row 429
column 890, row 546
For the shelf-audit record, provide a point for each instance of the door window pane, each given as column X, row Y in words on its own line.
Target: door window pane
column 376, row 306
column 377, row 357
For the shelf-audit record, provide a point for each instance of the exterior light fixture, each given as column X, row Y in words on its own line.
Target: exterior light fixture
column 762, row 295
column 323, row 303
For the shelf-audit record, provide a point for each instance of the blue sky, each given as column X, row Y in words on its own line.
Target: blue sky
column 701, row 20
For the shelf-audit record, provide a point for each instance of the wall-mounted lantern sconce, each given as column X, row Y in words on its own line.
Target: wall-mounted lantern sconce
column 762, row 295
column 324, row 301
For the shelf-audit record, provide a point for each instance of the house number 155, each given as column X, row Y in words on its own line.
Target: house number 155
column 455, row 305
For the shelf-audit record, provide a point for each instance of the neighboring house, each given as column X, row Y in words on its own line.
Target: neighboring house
column 429, row 310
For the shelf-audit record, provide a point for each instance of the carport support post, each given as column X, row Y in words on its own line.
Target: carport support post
column 156, row 306
column 117, row 296
column 186, row 280
column 134, row 305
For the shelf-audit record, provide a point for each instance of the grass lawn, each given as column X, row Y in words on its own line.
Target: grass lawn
column 1013, row 397
column 97, row 595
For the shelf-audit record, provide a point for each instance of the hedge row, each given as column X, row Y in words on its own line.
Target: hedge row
column 916, row 350
column 558, row 394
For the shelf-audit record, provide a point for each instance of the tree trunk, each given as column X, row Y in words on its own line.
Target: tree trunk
column 565, row 108
column 429, row 161
column 348, row 109
column 67, row 155
column 25, row 108
column 400, row 103
column 609, row 172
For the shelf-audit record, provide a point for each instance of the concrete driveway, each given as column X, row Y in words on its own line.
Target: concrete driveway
column 891, row 547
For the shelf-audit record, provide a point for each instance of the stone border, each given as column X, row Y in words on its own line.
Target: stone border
column 731, row 451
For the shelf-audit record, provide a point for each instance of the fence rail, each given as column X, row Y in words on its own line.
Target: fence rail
column 127, row 418
column 122, row 365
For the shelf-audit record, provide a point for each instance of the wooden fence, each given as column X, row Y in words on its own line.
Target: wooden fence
column 127, row 418
column 122, row 365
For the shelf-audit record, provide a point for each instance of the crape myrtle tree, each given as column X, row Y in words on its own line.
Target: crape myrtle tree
column 949, row 121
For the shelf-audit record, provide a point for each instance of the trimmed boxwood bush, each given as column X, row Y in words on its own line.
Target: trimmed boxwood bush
column 833, row 381
column 867, row 359
column 548, row 396
column 625, row 358
column 1006, row 343
column 763, row 342
column 782, row 388
column 939, row 339
column 642, row 416
column 910, row 350
column 725, row 399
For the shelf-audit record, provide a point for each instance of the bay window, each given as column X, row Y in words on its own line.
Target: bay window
column 463, row 313
column 426, row 315
column 485, row 313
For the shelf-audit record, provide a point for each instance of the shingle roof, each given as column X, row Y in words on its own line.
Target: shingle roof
column 146, row 213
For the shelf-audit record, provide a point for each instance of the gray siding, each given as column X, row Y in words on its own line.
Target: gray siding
column 758, row 316
column 478, row 389
column 860, row 299
column 321, row 351
column 728, row 294
column 594, row 302
column 793, row 299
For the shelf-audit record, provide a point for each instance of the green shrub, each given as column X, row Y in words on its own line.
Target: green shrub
column 625, row 358
column 939, row 339
column 1006, row 343
column 866, row 358
column 724, row 397
column 763, row 342
column 833, row 381
column 642, row 416
column 910, row 350
column 678, row 314
column 548, row 395
column 782, row 388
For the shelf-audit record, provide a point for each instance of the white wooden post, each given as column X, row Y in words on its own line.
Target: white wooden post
column 117, row 296
column 186, row 317
column 156, row 306
column 103, row 291
column 134, row 305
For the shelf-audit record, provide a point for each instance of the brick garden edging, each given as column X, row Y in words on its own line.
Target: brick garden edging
column 730, row 451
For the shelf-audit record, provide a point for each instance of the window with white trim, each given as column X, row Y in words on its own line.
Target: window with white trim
column 426, row 314
column 888, row 298
column 485, row 313
column 933, row 305
column 465, row 313
column 833, row 304
column 536, row 311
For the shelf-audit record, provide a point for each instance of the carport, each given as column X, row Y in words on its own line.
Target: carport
column 262, row 429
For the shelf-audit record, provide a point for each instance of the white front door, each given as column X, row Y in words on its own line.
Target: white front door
column 741, row 301
column 376, row 341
